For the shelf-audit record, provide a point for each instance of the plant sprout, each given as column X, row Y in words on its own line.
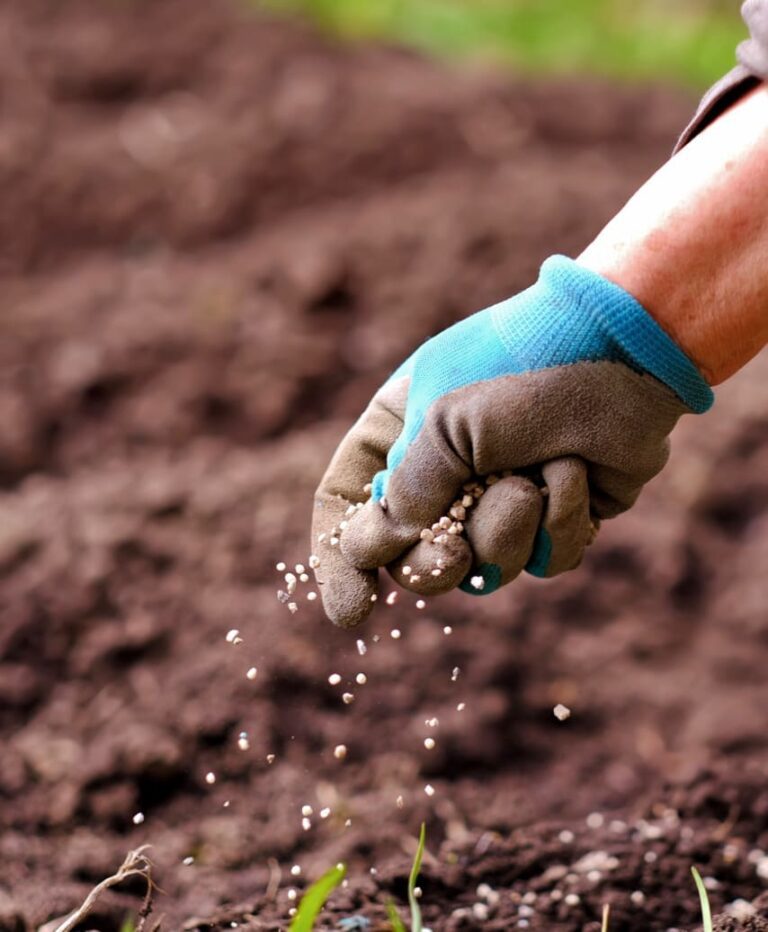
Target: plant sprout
column 315, row 898
column 706, row 912
column 394, row 918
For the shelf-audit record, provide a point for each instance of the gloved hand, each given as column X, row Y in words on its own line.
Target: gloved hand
column 570, row 385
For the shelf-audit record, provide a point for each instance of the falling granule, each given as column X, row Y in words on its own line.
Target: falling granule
column 420, row 603
column 399, row 802
column 242, row 741
column 347, row 698
column 138, row 818
column 282, row 597
column 347, row 823
column 406, row 570
column 340, row 751
column 293, row 608
column 455, row 674
column 226, row 804
column 561, row 712
column 361, row 679
column 361, row 647
column 233, row 636
column 252, row 673
column 391, row 598
column 429, row 790
column 461, row 706
column 374, row 598
column 306, row 824
column 429, row 743
column 296, row 870
column 292, row 894
column 431, row 722
column 311, row 596
column 304, row 578
column 290, row 583
column 447, row 630
column 210, row 778
column 292, row 911
column 395, row 634
column 314, row 561
column 280, row 567
column 376, row 638
column 477, row 582
column 299, row 569
column 417, row 892
column 270, row 758
column 306, row 810
column 188, row 860
column 334, row 679
column 324, row 813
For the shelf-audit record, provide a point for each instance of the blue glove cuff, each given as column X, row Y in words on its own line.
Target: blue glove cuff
column 595, row 319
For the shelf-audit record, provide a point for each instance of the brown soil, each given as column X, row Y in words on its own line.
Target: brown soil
column 220, row 233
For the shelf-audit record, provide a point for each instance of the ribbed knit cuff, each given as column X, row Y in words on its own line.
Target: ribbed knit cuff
column 625, row 321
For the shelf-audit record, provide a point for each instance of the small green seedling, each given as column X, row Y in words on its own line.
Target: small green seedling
column 706, row 912
column 315, row 898
column 394, row 918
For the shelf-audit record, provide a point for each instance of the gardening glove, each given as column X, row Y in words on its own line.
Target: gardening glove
column 569, row 390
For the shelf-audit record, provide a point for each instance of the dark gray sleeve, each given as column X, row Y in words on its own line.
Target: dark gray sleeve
column 752, row 55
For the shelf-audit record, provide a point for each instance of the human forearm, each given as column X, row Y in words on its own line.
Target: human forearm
column 692, row 244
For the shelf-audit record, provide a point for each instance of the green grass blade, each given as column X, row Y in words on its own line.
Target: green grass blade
column 706, row 912
column 415, row 869
column 394, row 920
column 315, row 898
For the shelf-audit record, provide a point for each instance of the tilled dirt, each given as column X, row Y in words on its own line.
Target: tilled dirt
column 219, row 233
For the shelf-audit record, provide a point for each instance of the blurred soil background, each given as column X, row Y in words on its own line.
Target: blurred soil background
column 221, row 229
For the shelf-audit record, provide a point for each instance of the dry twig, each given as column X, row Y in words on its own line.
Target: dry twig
column 136, row 864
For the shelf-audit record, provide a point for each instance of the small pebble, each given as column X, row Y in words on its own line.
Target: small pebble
column 561, row 712
column 292, row 608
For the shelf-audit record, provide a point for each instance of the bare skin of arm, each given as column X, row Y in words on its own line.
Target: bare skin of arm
column 692, row 244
